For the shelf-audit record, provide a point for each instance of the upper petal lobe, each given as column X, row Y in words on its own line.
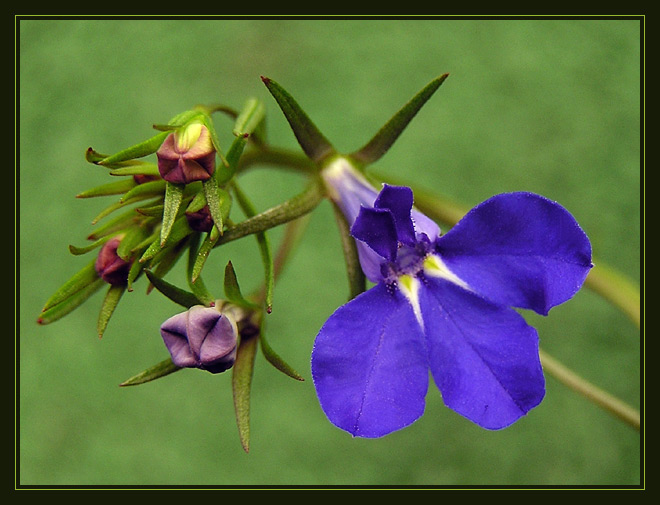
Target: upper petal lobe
column 519, row 249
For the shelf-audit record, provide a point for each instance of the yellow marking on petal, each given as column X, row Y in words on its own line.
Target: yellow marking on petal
column 409, row 287
column 435, row 267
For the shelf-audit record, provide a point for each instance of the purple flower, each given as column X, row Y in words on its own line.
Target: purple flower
column 443, row 303
column 201, row 337
column 110, row 267
column 187, row 155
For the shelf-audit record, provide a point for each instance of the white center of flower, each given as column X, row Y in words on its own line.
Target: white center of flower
column 409, row 287
column 435, row 267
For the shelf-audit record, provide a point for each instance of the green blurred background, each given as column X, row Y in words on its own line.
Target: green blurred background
column 550, row 106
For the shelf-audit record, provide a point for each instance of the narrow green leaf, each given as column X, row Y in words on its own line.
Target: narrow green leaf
column 180, row 230
column 140, row 150
column 132, row 239
column 174, row 293
column 289, row 210
column 264, row 249
column 151, row 210
column 116, row 206
column 233, row 290
column 157, row 371
column 133, row 274
column 115, row 225
column 173, row 197
column 163, row 262
column 112, row 188
column 78, row 251
column 274, row 359
column 250, row 117
column 356, row 277
column 241, row 387
column 108, row 307
column 208, row 122
column 386, row 136
column 197, row 285
column 65, row 306
column 224, row 175
column 93, row 156
column 146, row 190
column 204, row 251
column 185, row 117
column 77, row 282
column 217, row 200
column 150, row 169
column 312, row 141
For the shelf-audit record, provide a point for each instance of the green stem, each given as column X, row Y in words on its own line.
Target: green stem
column 596, row 395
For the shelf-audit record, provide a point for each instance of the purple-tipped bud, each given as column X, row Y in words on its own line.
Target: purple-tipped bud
column 200, row 220
column 110, row 267
column 187, row 155
column 201, row 337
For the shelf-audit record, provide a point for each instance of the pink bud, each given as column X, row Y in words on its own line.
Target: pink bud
column 110, row 267
column 187, row 155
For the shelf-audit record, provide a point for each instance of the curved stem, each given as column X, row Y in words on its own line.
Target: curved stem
column 596, row 395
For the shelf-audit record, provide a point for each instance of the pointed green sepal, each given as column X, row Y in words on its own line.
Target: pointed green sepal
column 197, row 285
column 77, row 282
column 115, row 225
column 386, row 136
column 250, row 117
column 65, row 306
column 224, row 175
column 204, row 251
column 208, row 122
column 110, row 302
column 356, row 277
column 274, row 359
column 219, row 203
column 149, row 169
column 133, row 273
column 140, row 150
column 174, row 293
column 180, row 230
column 79, row 251
column 264, row 248
column 241, row 382
column 145, row 190
column 312, row 141
column 173, row 197
column 157, row 371
column 233, row 290
column 133, row 238
column 112, row 188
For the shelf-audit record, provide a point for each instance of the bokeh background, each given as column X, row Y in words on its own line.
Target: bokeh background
column 550, row 106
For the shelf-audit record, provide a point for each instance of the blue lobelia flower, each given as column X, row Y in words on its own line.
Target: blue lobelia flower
column 444, row 303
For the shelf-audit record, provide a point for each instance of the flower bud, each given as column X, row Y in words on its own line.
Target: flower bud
column 202, row 338
column 110, row 267
column 200, row 220
column 187, row 155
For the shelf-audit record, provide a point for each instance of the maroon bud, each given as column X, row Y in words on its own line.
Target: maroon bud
column 110, row 267
column 187, row 155
column 200, row 220
column 142, row 178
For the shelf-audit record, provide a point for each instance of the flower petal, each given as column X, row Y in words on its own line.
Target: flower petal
column 369, row 365
column 519, row 249
column 377, row 228
column 483, row 357
column 399, row 201
column 174, row 335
